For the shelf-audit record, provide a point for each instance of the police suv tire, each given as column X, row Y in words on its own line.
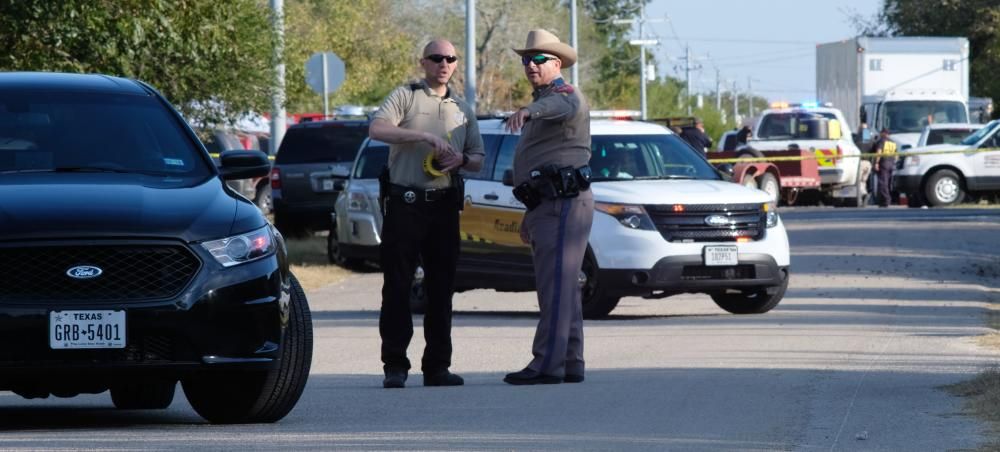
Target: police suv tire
column 754, row 301
column 769, row 184
column 596, row 303
column 944, row 188
column 260, row 397
column 262, row 197
column 144, row 394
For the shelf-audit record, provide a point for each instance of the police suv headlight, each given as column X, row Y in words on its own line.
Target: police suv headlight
column 913, row 160
column 357, row 202
column 242, row 248
column 771, row 214
column 629, row 215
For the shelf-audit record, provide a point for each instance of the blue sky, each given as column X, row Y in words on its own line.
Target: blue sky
column 771, row 41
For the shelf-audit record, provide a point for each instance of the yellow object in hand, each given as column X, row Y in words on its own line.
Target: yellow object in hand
column 431, row 166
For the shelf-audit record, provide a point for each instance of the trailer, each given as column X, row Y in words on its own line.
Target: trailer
column 791, row 172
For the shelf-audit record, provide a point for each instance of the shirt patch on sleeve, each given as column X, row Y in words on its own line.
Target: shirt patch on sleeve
column 564, row 88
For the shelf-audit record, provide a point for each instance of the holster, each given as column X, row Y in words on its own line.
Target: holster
column 458, row 183
column 383, row 189
column 551, row 182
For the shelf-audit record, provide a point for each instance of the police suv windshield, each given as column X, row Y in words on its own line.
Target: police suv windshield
column 979, row 134
column 87, row 132
column 628, row 157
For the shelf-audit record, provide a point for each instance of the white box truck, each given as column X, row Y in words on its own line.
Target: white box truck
column 901, row 83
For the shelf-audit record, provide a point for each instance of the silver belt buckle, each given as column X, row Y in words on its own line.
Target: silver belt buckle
column 410, row 197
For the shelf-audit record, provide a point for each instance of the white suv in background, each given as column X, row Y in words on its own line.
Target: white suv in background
column 666, row 223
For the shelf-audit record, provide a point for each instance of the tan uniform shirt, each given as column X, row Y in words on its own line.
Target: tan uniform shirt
column 414, row 106
column 557, row 133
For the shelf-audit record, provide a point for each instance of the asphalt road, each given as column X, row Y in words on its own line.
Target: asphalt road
column 882, row 310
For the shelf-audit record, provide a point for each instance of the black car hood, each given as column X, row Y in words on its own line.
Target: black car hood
column 107, row 205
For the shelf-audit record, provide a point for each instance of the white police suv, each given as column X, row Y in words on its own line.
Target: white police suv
column 666, row 223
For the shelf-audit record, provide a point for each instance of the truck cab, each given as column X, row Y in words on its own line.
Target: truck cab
column 906, row 112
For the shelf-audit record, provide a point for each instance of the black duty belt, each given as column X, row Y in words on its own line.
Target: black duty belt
column 412, row 195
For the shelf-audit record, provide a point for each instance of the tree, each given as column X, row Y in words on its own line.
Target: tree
column 978, row 20
column 212, row 60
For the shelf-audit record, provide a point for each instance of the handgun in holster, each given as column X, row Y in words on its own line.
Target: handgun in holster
column 458, row 183
column 527, row 195
column 383, row 189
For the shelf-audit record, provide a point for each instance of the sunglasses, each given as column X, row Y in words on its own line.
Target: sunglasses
column 537, row 59
column 439, row 58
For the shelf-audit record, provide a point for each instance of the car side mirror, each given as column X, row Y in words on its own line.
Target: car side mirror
column 905, row 147
column 242, row 164
column 508, row 177
column 339, row 184
column 726, row 169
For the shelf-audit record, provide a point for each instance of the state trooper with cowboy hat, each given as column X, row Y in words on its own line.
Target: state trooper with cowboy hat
column 432, row 135
column 552, row 179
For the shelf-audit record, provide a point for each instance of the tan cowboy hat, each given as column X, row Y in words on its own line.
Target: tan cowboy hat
column 541, row 41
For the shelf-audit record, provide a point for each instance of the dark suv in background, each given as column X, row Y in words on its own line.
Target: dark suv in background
column 127, row 264
column 312, row 164
column 257, row 189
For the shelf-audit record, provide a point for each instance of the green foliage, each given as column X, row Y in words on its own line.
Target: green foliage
column 212, row 60
column 978, row 20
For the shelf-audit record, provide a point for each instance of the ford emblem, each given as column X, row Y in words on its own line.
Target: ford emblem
column 84, row 272
column 717, row 220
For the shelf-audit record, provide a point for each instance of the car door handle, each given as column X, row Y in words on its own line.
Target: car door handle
column 491, row 196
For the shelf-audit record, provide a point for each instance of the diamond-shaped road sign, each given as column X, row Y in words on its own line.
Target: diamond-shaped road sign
column 334, row 72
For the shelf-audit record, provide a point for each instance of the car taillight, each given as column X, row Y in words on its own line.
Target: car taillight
column 275, row 179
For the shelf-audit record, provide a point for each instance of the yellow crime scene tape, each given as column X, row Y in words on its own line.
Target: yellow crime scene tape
column 839, row 157
column 215, row 155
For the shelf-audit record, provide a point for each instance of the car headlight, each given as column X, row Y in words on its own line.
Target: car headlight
column 629, row 215
column 771, row 212
column 357, row 202
column 912, row 160
column 242, row 248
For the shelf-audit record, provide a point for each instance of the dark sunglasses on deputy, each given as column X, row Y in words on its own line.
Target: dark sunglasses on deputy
column 537, row 59
column 439, row 58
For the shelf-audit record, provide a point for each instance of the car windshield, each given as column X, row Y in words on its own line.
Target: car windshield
column 371, row 161
column 99, row 132
column 946, row 136
column 913, row 116
column 795, row 125
column 627, row 157
column 979, row 134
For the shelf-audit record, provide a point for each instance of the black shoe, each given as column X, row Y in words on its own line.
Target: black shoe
column 572, row 378
column 394, row 379
column 443, row 379
column 531, row 377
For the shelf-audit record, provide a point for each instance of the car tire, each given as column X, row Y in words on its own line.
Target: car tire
column 749, row 181
column 769, row 184
column 260, row 397
column 944, row 188
column 749, row 153
column 334, row 253
column 262, row 198
column 597, row 304
column 756, row 301
column 144, row 394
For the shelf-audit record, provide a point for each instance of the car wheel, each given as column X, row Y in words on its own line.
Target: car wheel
column 144, row 394
column 749, row 181
column 596, row 303
column 335, row 254
column 944, row 188
column 263, row 198
column 769, row 184
column 250, row 397
column 418, row 294
column 753, row 301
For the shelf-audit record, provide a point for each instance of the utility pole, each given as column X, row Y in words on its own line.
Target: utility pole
column 470, row 54
column 718, row 90
column 642, row 42
column 278, row 98
column 688, row 59
column 736, row 104
column 574, row 71
column 750, row 96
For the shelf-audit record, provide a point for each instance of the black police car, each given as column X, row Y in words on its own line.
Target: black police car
column 127, row 264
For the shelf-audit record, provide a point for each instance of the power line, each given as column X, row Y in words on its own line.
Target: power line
column 753, row 41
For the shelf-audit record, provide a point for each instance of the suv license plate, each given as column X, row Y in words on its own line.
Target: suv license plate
column 327, row 184
column 721, row 255
column 86, row 329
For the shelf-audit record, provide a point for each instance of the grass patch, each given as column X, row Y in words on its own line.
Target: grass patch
column 307, row 258
column 982, row 395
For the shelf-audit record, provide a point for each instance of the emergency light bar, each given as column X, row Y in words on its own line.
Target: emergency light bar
column 616, row 114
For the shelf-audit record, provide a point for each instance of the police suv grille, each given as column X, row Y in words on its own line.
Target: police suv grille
column 128, row 272
column 709, row 222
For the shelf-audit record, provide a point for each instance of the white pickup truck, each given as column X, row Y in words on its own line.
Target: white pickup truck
column 821, row 131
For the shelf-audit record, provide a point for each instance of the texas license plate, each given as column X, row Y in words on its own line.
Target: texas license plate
column 86, row 329
column 721, row 255
column 327, row 184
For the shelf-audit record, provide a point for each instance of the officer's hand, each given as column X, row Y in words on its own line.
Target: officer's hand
column 517, row 120
column 439, row 144
column 449, row 161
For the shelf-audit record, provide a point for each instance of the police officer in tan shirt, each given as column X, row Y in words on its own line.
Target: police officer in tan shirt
column 552, row 178
column 431, row 135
